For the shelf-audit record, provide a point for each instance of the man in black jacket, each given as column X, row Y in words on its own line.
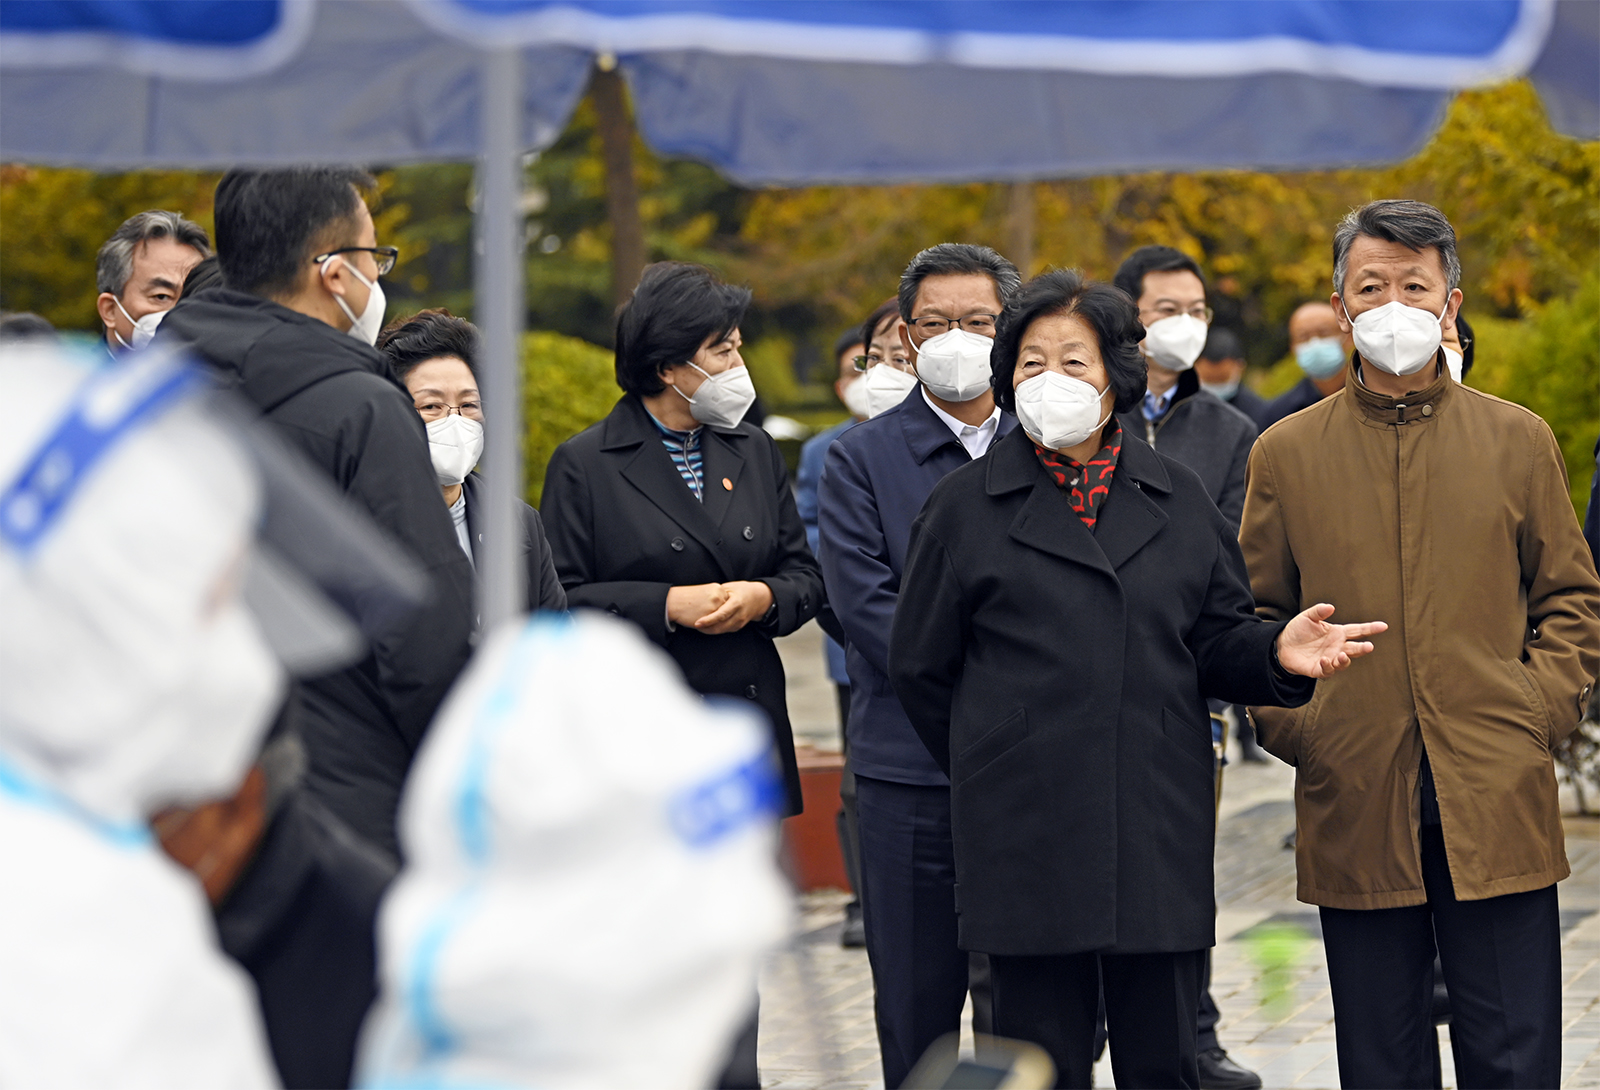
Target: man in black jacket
column 293, row 330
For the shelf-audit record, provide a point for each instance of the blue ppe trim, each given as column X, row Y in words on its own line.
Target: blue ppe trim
column 25, row 789
column 708, row 812
column 100, row 415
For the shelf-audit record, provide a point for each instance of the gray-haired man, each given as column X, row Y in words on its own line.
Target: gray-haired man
column 140, row 271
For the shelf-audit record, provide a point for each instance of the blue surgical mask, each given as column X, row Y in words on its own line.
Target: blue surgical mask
column 1320, row 357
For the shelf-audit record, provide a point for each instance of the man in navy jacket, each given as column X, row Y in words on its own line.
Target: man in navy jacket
column 874, row 482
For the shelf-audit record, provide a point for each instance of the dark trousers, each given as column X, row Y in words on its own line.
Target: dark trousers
column 920, row 976
column 848, row 826
column 1150, row 1002
column 1502, row 964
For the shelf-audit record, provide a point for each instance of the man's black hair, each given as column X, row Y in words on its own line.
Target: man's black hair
column 1469, row 343
column 271, row 223
column 429, row 335
column 1222, row 344
column 675, row 310
column 207, row 274
column 21, row 325
column 1107, row 310
column 846, row 340
column 1148, row 259
column 957, row 259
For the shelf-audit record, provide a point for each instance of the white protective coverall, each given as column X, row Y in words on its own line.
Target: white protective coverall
column 591, row 875
column 131, row 678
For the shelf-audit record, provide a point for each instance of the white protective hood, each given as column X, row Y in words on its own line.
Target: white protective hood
column 132, row 677
column 592, row 873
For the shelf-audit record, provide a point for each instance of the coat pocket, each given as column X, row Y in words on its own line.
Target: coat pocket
column 992, row 743
column 1530, row 693
column 1189, row 739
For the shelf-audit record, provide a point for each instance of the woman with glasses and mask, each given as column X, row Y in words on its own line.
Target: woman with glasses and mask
column 1078, row 597
column 883, row 387
column 435, row 355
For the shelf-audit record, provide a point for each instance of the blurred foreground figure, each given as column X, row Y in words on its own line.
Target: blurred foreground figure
column 633, row 822
column 132, row 678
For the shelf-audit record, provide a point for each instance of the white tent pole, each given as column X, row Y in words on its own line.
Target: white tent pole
column 499, row 310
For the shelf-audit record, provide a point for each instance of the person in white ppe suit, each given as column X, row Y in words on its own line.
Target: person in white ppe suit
column 574, row 786
column 133, row 677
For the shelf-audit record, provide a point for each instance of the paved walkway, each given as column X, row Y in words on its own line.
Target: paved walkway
column 816, row 998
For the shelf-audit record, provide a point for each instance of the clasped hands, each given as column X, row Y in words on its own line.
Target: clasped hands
column 1311, row 647
column 716, row 608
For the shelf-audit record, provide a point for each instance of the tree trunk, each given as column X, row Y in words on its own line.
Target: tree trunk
column 622, row 190
column 1019, row 227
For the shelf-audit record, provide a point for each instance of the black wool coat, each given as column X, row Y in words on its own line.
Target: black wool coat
column 335, row 400
column 1059, row 676
column 541, row 586
column 624, row 529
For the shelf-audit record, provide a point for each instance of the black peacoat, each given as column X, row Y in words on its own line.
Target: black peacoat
column 1059, row 676
column 624, row 529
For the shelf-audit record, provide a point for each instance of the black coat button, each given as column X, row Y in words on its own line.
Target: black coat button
column 805, row 601
column 749, row 534
column 677, row 544
column 750, row 691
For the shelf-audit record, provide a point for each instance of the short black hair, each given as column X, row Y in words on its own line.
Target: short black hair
column 21, row 325
column 271, row 223
column 957, row 259
column 207, row 274
column 428, row 335
column 847, row 339
column 1108, row 310
column 875, row 319
column 1469, row 343
column 1148, row 259
column 676, row 308
column 1222, row 344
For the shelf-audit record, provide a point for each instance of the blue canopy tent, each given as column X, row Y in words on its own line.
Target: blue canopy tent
column 770, row 92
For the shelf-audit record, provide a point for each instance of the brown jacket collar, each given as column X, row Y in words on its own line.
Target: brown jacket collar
column 1417, row 407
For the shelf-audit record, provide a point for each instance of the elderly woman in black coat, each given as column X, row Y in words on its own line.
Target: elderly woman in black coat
column 1069, row 603
column 673, row 513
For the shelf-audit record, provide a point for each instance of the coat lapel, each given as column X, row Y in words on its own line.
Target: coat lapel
column 1130, row 518
column 723, row 456
column 650, row 470
column 1046, row 521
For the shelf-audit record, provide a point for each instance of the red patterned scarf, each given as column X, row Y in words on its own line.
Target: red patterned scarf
column 1087, row 487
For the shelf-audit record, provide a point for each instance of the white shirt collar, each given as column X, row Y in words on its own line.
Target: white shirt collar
column 974, row 437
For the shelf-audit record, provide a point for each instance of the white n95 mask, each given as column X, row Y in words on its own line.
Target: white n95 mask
column 143, row 328
column 954, row 365
column 855, row 398
column 455, row 444
column 723, row 398
column 885, row 387
column 1397, row 338
column 1175, row 342
column 1057, row 411
column 1453, row 361
column 366, row 327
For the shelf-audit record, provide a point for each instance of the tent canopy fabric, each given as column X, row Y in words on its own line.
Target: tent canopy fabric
column 784, row 91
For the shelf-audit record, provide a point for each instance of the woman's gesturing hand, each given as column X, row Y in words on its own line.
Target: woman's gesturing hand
column 747, row 601
column 1311, row 647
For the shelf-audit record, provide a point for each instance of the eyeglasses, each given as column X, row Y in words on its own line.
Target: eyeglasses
column 932, row 326
column 385, row 256
column 1171, row 310
column 872, row 359
column 438, row 410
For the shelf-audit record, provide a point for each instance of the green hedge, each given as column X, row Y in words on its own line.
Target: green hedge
column 567, row 384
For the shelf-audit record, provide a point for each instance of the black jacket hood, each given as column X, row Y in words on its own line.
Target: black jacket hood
column 271, row 351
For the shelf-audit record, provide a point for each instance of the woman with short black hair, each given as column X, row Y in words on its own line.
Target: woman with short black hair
column 1068, row 603
column 673, row 513
column 434, row 354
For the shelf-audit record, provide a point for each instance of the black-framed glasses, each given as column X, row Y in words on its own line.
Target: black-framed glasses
column 385, row 256
column 1170, row 310
column 933, row 325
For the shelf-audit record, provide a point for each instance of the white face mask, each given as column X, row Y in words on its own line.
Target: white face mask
column 856, row 399
column 143, row 328
column 1223, row 390
column 1059, row 412
column 455, row 444
column 886, row 387
column 1175, row 342
column 954, row 365
column 723, row 398
column 1452, row 360
column 366, row 327
column 1397, row 338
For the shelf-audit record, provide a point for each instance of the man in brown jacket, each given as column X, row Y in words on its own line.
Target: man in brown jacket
column 1425, row 795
